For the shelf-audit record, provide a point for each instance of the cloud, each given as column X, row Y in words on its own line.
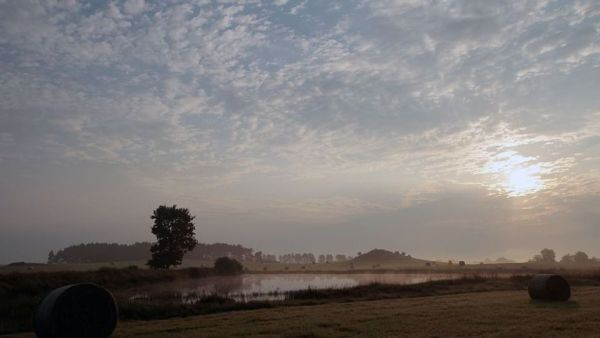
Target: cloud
column 134, row 6
column 280, row 2
column 345, row 102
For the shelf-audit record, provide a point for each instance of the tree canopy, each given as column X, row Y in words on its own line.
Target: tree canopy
column 175, row 236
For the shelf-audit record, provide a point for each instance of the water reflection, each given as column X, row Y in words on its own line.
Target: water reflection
column 270, row 286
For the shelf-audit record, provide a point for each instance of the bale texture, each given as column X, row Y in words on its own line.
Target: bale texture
column 79, row 310
column 549, row 287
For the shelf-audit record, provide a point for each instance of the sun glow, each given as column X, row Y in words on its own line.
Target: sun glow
column 516, row 175
column 523, row 181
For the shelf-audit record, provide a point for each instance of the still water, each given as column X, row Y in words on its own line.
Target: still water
column 271, row 286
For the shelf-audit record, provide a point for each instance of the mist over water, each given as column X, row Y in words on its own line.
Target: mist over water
column 271, row 286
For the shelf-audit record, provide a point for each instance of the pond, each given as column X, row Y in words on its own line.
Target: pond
column 250, row 287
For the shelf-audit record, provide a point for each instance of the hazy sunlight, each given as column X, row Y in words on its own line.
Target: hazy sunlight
column 516, row 174
column 523, row 181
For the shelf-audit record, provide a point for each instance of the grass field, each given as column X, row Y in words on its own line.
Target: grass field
column 506, row 313
column 496, row 313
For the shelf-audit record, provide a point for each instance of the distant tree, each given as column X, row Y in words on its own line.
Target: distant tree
column 228, row 266
column 321, row 258
column 581, row 257
column 51, row 257
column 175, row 236
column 258, row 256
column 548, row 256
column 567, row 259
column 329, row 258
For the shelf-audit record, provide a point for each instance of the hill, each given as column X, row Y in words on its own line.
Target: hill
column 380, row 256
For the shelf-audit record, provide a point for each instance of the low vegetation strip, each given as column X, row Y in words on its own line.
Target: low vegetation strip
column 40, row 282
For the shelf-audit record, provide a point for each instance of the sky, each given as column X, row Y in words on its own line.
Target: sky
column 446, row 129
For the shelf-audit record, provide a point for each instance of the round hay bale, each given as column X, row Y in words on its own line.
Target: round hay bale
column 79, row 310
column 549, row 287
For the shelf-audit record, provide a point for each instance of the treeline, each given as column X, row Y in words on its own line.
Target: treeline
column 140, row 251
column 306, row 258
column 114, row 252
column 298, row 258
column 548, row 256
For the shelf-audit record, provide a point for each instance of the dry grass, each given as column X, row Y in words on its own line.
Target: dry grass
column 496, row 313
column 502, row 313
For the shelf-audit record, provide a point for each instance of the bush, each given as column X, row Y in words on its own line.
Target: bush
column 228, row 266
column 196, row 272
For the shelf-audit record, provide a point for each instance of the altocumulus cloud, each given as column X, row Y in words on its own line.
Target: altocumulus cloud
column 442, row 128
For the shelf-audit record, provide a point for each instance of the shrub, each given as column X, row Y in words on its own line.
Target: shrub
column 228, row 266
column 196, row 272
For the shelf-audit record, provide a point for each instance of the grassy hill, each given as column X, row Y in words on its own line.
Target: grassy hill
column 382, row 259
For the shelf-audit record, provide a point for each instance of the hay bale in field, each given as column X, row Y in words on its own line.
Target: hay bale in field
column 549, row 287
column 79, row 310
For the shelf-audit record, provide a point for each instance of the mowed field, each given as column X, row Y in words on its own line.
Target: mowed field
column 506, row 313
column 498, row 313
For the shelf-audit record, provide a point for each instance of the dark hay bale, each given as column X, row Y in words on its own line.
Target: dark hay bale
column 549, row 287
column 79, row 310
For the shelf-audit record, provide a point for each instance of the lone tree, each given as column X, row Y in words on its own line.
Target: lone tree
column 548, row 256
column 175, row 236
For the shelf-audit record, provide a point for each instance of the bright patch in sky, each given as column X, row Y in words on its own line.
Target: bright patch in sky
column 516, row 175
column 523, row 181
